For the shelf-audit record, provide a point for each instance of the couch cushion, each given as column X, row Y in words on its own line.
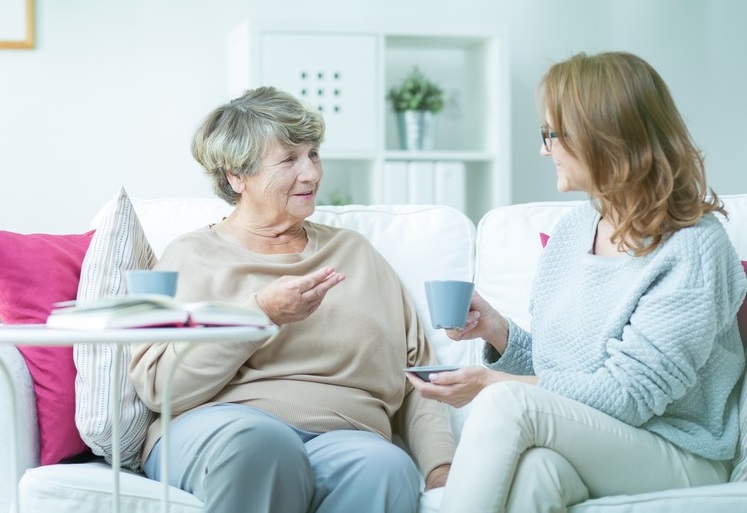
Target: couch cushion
column 119, row 244
column 725, row 498
column 508, row 247
column 87, row 488
column 36, row 271
column 183, row 214
column 736, row 224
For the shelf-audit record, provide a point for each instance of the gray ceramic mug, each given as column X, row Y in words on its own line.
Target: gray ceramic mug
column 448, row 302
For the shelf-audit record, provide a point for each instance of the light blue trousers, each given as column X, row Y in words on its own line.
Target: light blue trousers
column 238, row 459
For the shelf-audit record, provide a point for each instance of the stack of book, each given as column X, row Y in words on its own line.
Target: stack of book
column 152, row 310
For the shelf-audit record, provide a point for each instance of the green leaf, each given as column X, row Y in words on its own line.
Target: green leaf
column 416, row 92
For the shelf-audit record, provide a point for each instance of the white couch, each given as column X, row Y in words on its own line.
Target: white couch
column 421, row 242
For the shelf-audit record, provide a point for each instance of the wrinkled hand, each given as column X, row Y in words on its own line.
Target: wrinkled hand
column 455, row 388
column 437, row 477
column 293, row 298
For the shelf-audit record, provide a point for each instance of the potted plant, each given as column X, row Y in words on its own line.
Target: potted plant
column 415, row 101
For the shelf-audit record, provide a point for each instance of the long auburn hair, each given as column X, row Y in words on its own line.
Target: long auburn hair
column 613, row 112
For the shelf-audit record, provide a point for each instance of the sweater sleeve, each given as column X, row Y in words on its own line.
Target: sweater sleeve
column 200, row 371
column 518, row 356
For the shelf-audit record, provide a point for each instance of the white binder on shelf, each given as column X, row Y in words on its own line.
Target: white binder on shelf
column 449, row 184
column 421, row 182
column 390, row 183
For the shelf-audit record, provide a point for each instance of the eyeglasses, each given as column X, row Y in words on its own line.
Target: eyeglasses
column 547, row 137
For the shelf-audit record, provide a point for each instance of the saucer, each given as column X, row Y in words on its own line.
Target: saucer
column 423, row 371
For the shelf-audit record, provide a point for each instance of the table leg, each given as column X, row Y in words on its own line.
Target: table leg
column 15, row 496
column 114, row 399
column 165, row 421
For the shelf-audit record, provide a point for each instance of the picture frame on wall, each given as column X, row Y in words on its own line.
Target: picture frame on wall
column 16, row 24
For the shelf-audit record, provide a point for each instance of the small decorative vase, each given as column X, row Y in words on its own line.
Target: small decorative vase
column 416, row 129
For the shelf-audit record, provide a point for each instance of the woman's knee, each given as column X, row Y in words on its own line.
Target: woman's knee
column 384, row 477
column 388, row 460
column 401, row 477
column 545, row 482
column 244, row 441
column 386, row 469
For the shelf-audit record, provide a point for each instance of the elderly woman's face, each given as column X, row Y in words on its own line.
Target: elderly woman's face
column 287, row 182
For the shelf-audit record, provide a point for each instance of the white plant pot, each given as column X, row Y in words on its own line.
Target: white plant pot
column 417, row 129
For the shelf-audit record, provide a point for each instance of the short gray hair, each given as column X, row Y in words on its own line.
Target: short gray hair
column 233, row 137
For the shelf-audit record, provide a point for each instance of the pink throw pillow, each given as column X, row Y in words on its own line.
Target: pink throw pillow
column 544, row 238
column 36, row 271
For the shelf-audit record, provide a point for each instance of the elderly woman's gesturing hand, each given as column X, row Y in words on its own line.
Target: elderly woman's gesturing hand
column 293, row 298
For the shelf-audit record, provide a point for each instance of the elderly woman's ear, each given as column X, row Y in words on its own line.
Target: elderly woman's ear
column 237, row 183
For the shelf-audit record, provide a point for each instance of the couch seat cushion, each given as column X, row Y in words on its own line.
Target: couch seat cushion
column 723, row 498
column 86, row 488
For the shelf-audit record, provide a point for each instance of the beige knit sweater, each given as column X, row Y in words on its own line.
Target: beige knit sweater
column 341, row 368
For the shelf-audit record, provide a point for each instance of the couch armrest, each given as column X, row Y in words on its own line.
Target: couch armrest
column 27, row 447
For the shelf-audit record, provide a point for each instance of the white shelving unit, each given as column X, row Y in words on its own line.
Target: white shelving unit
column 346, row 73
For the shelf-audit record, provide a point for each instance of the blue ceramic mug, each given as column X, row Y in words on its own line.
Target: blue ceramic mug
column 148, row 281
column 448, row 302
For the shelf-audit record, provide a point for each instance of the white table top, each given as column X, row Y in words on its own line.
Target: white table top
column 40, row 335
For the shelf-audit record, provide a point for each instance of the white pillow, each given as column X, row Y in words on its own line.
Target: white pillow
column 118, row 244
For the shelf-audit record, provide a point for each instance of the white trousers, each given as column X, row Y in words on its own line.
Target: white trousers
column 526, row 449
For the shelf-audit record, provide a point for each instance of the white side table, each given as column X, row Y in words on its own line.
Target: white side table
column 40, row 335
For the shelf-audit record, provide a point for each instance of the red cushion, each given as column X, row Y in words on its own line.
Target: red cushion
column 37, row 271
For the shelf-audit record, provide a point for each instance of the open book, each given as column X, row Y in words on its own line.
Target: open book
column 152, row 310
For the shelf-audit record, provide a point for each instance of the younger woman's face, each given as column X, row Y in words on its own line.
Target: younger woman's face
column 573, row 175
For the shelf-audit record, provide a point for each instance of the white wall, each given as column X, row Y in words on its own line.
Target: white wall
column 114, row 88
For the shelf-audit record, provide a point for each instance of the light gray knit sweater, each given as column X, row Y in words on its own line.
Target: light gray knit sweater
column 651, row 340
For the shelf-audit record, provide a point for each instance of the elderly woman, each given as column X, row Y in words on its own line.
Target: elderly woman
column 303, row 421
